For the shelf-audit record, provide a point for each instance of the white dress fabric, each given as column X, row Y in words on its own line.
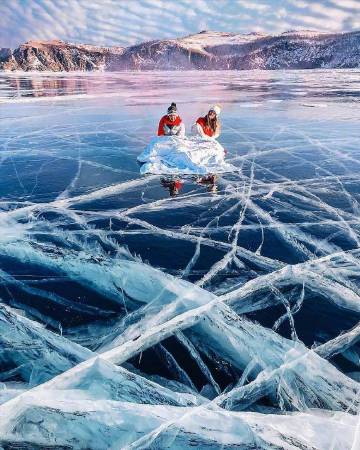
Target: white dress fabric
column 170, row 155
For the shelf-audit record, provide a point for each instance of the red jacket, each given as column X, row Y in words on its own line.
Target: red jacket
column 207, row 130
column 166, row 121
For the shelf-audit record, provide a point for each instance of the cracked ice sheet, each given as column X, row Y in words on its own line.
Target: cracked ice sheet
column 278, row 235
column 108, row 424
column 169, row 297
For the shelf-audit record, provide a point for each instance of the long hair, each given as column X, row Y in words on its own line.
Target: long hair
column 213, row 124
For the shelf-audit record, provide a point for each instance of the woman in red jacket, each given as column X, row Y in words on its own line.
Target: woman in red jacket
column 171, row 124
column 209, row 127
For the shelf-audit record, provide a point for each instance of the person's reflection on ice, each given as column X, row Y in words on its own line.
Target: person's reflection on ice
column 174, row 185
column 209, row 181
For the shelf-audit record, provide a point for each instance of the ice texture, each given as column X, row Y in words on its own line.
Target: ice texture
column 222, row 315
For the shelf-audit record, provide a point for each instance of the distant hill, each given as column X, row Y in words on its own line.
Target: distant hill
column 208, row 50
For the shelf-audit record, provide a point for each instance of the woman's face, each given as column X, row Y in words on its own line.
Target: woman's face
column 212, row 114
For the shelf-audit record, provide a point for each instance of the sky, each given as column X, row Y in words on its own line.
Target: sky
column 126, row 22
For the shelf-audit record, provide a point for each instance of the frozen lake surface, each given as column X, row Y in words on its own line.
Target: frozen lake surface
column 210, row 315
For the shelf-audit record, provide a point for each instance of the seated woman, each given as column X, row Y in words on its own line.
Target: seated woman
column 171, row 124
column 209, row 127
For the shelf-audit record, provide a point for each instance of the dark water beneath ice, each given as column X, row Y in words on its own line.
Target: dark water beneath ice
column 68, row 172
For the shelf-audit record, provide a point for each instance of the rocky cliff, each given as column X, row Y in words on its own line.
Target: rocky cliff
column 58, row 56
column 207, row 50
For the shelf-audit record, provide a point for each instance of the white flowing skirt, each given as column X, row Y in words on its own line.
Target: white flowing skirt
column 173, row 155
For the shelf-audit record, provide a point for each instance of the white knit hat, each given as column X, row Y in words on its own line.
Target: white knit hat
column 216, row 108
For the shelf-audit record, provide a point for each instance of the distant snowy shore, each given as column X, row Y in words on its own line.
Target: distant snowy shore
column 207, row 50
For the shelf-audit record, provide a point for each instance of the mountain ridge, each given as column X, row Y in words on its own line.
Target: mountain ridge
column 207, row 50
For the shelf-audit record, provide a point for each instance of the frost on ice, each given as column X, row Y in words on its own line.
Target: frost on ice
column 230, row 319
